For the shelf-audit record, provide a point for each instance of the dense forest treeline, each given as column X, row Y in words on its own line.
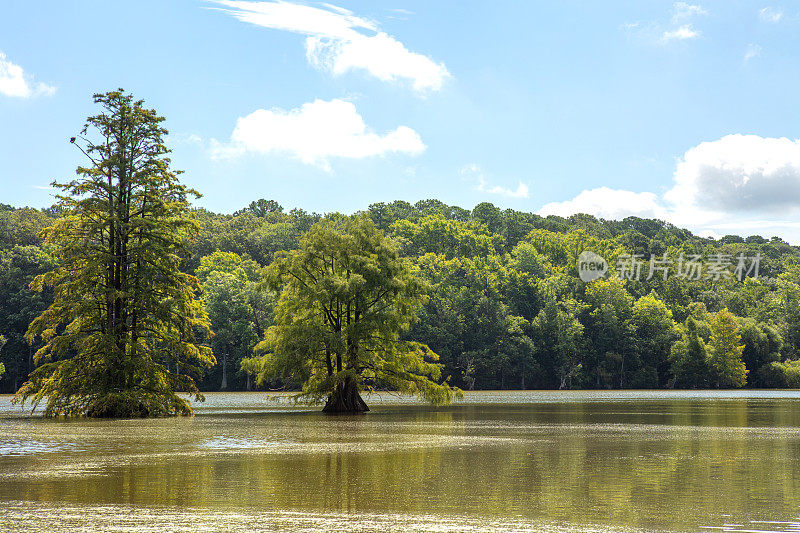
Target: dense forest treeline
column 507, row 308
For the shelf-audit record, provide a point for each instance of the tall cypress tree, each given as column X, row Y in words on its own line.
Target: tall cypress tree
column 124, row 332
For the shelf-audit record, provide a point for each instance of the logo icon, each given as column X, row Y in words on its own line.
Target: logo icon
column 591, row 266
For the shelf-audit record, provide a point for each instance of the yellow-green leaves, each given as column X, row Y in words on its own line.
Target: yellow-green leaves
column 125, row 329
column 726, row 346
column 346, row 298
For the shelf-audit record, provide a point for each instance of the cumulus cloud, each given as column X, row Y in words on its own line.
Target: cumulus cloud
column 608, row 203
column 770, row 14
column 743, row 173
column 314, row 133
column 339, row 41
column 743, row 184
column 14, row 82
column 474, row 171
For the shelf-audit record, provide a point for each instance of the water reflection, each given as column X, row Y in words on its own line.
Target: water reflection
column 604, row 461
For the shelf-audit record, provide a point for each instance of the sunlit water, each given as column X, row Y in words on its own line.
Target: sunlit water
column 497, row 461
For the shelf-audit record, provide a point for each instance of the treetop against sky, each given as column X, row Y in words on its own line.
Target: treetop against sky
column 684, row 111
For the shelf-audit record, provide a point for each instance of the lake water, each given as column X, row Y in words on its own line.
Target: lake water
column 496, row 461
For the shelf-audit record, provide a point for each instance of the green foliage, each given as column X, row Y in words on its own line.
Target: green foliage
column 122, row 313
column 762, row 346
column 789, row 308
column 607, row 323
column 653, row 331
column 563, row 249
column 22, row 227
column 237, row 310
column 557, row 338
column 229, row 263
column 451, row 238
column 2, row 343
column 689, row 358
column 345, row 299
column 783, row 375
column 725, row 359
column 261, row 208
column 490, row 274
column 19, row 306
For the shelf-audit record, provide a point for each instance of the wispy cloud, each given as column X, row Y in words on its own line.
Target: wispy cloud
column 339, row 41
column 753, row 50
column 15, row 83
column 474, row 172
column 683, row 10
column 314, row 133
column 770, row 14
column 682, row 14
column 680, row 26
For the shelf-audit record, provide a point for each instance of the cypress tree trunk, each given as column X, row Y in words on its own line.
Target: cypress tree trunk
column 345, row 399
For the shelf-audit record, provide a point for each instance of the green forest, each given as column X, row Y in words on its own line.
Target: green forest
column 505, row 307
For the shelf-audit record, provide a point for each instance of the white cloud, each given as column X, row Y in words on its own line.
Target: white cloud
column 682, row 10
column 740, row 184
column 339, row 41
column 186, row 138
column 770, row 14
column 612, row 204
column 740, row 173
column 520, row 192
column 753, row 50
column 680, row 26
column 474, row 172
column 680, row 34
column 314, row 133
column 15, row 83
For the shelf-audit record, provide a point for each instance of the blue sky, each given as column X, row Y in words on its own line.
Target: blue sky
column 686, row 111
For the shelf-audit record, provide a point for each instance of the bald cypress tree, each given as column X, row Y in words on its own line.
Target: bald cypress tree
column 124, row 317
column 346, row 297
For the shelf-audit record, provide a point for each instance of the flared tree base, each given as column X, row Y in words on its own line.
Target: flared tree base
column 345, row 400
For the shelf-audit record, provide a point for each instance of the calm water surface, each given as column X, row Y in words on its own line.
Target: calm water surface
column 497, row 461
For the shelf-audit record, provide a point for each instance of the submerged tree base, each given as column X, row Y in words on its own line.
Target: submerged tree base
column 127, row 404
column 122, row 405
column 345, row 399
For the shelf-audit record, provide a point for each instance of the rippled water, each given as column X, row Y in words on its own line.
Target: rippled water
column 510, row 461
